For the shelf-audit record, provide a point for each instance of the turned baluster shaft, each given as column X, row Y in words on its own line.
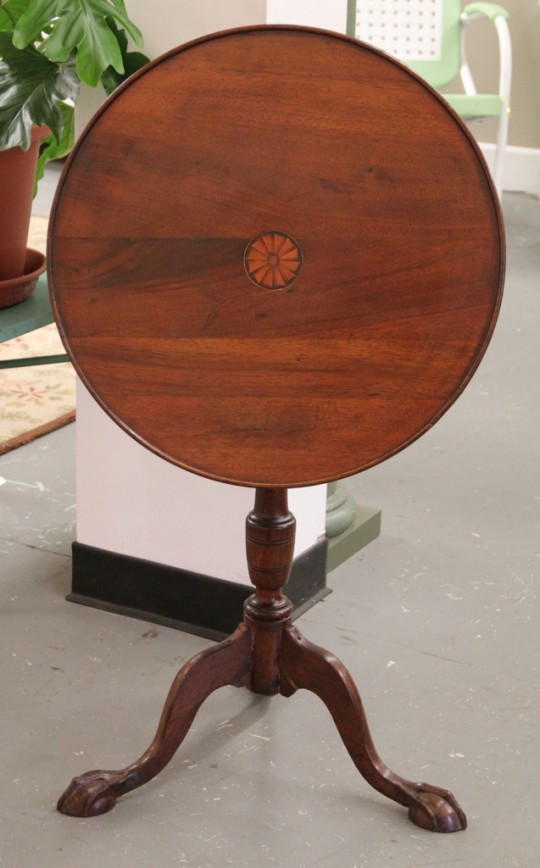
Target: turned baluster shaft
column 270, row 531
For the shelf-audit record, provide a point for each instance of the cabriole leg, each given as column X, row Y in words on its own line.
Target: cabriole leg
column 306, row 665
column 228, row 662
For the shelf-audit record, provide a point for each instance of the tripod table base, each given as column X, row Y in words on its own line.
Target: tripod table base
column 300, row 664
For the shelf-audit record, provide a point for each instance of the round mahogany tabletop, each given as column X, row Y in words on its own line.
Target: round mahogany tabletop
column 275, row 256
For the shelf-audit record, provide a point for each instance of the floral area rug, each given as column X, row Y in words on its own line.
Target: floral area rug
column 36, row 399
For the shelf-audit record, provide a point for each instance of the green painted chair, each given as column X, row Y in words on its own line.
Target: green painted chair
column 429, row 36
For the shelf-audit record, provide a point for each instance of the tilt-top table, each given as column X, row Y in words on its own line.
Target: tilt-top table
column 276, row 259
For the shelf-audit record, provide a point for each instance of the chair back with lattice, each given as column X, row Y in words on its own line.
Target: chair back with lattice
column 424, row 34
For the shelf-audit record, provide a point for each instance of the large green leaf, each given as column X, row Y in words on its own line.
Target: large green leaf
column 51, row 149
column 77, row 26
column 10, row 12
column 30, row 88
column 95, row 45
column 34, row 21
column 132, row 61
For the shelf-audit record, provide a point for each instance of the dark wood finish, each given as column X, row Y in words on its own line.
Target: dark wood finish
column 264, row 131
column 247, row 371
column 306, row 665
column 268, row 655
column 227, row 662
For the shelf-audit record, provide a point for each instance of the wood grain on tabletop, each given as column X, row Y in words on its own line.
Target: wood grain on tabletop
column 396, row 239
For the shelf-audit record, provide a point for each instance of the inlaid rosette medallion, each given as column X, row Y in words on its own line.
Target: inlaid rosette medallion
column 273, row 260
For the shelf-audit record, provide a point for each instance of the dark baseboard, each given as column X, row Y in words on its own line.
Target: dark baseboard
column 178, row 598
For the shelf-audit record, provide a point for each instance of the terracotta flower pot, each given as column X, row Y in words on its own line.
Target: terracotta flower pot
column 17, row 178
column 17, row 289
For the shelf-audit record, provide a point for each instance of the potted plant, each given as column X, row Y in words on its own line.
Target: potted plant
column 47, row 48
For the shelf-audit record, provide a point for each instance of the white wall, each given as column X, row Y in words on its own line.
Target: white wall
column 128, row 500
column 167, row 23
column 328, row 14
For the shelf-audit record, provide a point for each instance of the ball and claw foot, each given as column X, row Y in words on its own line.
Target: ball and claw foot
column 436, row 810
column 91, row 794
column 228, row 662
column 305, row 665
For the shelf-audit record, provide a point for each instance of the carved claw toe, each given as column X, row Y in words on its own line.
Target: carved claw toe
column 89, row 795
column 436, row 810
